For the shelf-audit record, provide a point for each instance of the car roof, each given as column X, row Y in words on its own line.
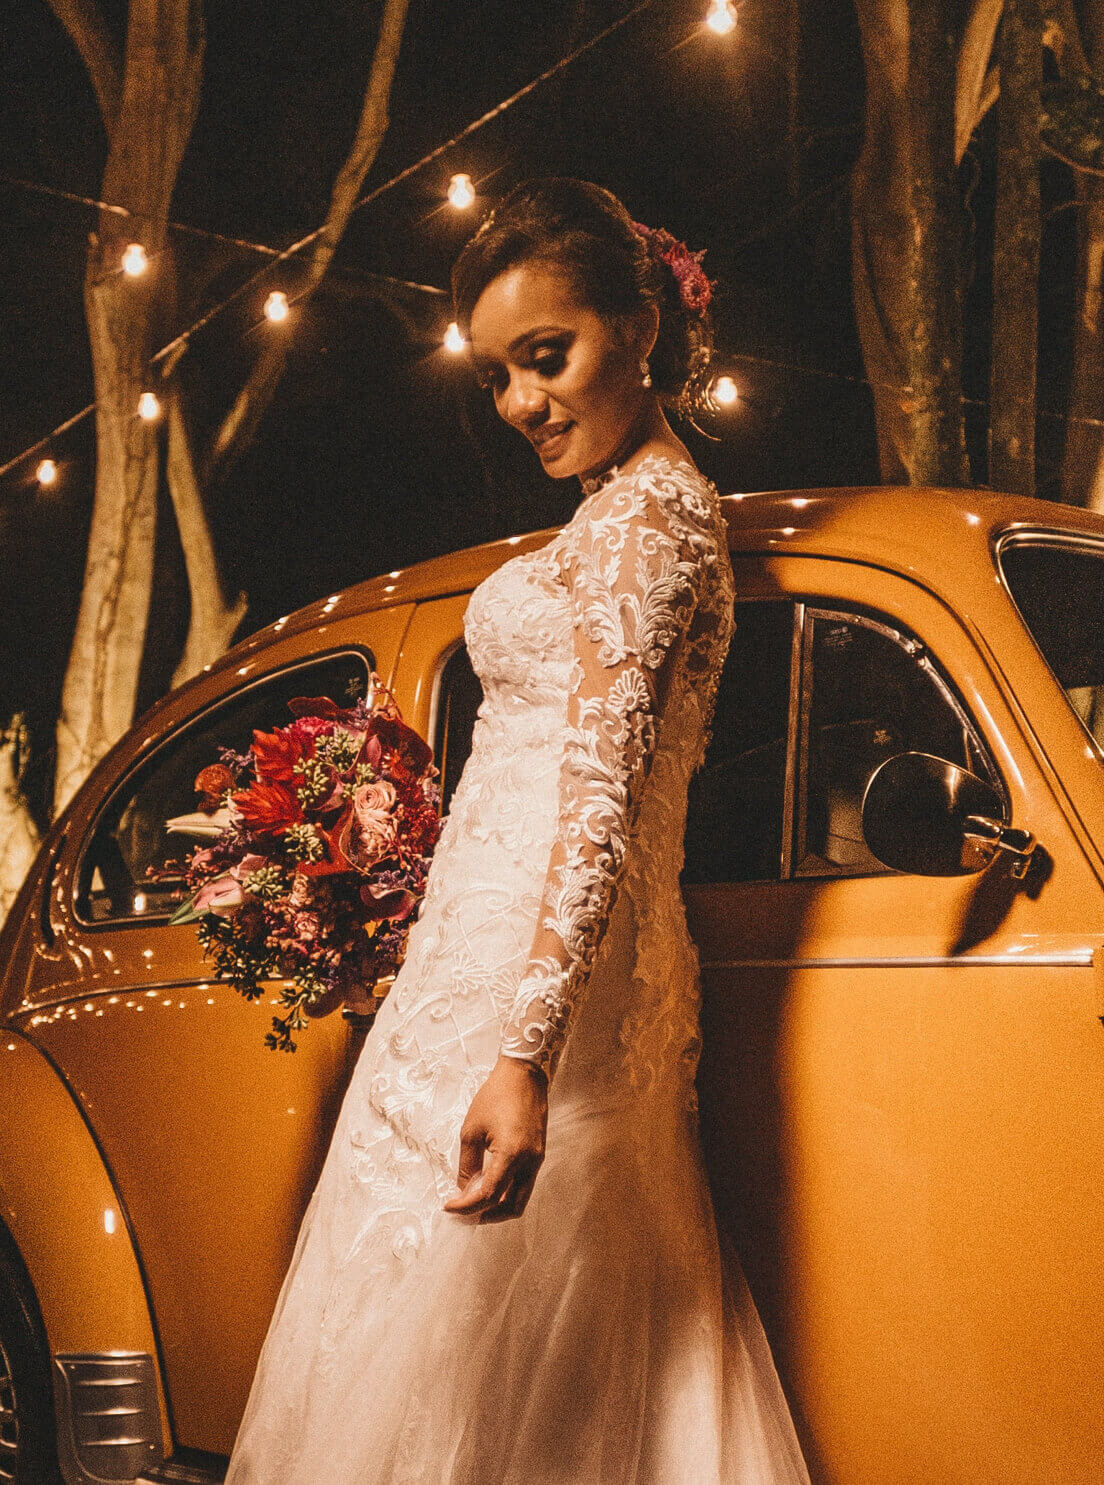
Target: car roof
column 942, row 538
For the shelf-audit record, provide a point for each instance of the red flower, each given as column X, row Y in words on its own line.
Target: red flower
column 306, row 729
column 268, row 807
column 278, row 752
column 409, row 749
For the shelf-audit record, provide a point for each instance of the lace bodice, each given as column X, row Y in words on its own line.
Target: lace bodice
column 630, row 629
column 595, row 1337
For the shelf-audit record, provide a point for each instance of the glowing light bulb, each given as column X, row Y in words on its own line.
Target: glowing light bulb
column 724, row 391
column 721, row 17
column 454, row 341
column 135, row 261
column 276, row 306
column 148, row 407
column 46, row 473
column 461, row 192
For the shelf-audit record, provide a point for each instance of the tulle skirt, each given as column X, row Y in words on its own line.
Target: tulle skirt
column 599, row 1339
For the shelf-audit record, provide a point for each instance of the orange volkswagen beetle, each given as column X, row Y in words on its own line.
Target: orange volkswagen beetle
column 895, row 876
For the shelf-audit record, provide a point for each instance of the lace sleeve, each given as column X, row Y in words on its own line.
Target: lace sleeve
column 634, row 564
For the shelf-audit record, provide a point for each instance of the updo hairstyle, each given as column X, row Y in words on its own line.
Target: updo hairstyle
column 584, row 231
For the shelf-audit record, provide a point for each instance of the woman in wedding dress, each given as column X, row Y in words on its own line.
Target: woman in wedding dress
column 509, row 1270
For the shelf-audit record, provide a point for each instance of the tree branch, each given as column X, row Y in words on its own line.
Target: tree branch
column 241, row 422
column 213, row 621
column 978, row 84
column 89, row 34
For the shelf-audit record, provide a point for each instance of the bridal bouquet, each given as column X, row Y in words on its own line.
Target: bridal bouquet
column 320, row 842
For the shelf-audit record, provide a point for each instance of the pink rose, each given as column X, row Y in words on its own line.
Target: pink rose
column 372, row 809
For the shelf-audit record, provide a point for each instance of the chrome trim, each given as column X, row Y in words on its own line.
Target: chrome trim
column 1046, row 536
column 108, row 1421
column 793, row 724
column 176, row 1472
column 1078, row 958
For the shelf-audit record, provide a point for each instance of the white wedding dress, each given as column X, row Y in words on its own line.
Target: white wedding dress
column 599, row 1338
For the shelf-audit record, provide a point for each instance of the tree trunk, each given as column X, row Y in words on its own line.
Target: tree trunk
column 19, row 838
column 1017, row 231
column 160, row 93
column 1083, row 462
column 934, row 347
column 905, row 216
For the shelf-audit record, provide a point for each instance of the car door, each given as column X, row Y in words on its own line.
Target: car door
column 214, row 1142
column 901, row 1088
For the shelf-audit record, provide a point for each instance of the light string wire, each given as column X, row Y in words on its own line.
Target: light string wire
column 74, row 197
column 177, row 345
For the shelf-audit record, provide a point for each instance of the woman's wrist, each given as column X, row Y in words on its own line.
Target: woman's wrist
column 527, row 1066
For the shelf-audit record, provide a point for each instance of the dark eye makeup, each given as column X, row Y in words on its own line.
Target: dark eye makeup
column 547, row 358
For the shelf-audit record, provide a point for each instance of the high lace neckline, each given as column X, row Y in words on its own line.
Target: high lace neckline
column 590, row 486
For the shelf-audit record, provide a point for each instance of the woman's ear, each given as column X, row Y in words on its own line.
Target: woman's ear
column 637, row 331
column 649, row 328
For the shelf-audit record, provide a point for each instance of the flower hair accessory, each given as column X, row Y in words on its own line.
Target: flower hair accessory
column 695, row 290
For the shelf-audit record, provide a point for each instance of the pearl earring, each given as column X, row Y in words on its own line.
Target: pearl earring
column 645, row 372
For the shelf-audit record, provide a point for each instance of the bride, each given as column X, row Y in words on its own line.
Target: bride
column 509, row 1272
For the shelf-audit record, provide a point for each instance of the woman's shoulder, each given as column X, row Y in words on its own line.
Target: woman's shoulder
column 661, row 486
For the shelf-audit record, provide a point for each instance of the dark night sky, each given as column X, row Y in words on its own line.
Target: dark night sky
column 362, row 465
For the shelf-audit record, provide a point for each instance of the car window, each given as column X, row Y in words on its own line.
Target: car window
column 736, row 804
column 458, row 701
column 1059, row 590
column 130, row 836
column 734, row 819
column 870, row 691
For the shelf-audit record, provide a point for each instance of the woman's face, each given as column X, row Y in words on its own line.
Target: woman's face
column 559, row 372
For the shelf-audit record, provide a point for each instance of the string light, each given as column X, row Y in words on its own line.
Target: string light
column 135, row 261
column 276, row 306
column 148, row 407
column 454, row 341
column 723, row 391
column 175, row 345
column 46, row 473
column 461, row 192
column 721, row 17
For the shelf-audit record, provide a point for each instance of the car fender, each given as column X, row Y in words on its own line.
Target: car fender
column 60, row 1206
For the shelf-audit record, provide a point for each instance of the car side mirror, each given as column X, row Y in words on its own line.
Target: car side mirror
column 924, row 815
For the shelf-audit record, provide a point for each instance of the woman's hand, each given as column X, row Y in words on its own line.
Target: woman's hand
column 502, row 1142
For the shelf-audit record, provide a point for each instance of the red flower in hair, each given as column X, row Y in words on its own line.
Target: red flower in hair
column 695, row 290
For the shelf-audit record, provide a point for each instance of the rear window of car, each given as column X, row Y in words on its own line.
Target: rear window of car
column 1058, row 586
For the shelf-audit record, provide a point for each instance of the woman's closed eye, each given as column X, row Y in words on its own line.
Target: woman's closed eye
column 547, row 363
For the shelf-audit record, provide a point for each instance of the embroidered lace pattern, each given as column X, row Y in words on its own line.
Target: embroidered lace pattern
column 644, row 564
